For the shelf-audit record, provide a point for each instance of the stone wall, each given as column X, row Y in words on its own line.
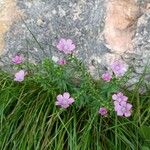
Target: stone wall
column 102, row 30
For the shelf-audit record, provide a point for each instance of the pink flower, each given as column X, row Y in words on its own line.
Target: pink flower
column 103, row 111
column 119, row 97
column 18, row 59
column 19, row 76
column 64, row 100
column 66, row 46
column 61, row 62
column 106, row 76
column 119, row 68
column 123, row 109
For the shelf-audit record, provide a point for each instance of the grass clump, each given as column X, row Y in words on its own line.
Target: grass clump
column 102, row 114
column 29, row 118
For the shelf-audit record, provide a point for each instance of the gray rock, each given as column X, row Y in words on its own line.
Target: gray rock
column 81, row 20
column 139, row 58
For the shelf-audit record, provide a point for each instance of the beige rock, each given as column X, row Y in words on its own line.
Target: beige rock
column 121, row 17
column 8, row 14
column 148, row 6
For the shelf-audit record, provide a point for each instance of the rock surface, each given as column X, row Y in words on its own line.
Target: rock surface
column 102, row 30
column 8, row 13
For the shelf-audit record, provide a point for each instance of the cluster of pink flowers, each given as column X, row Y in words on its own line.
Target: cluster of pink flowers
column 64, row 101
column 122, row 107
column 107, row 76
column 61, row 61
column 118, row 68
column 103, row 111
column 66, row 46
column 19, row 76
column 18, row 59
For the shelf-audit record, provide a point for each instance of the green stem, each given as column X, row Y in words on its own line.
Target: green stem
column 116, row 132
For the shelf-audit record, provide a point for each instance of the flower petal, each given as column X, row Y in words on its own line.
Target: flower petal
column 69, row 41
column 62, row 40
column 64, row 105
column 61, row 44
column 119, row 113
column 129, row 106
column 59, row 97
column 117, row 106
column 70, row 100
column 60, row 47
column 128, row 114
column 114, row 97
column 125, row 98
column 72, row 47
column 66, row 95
column 57, row 103
column 19, row 76
column 123, row 103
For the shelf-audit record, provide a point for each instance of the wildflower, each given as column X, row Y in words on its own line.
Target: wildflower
column 64, row 100
column 106, row 76
column 61, row 61
column 123, row 109
column 119, row 97
column 19, row 76
column 18, row 59
column 66, row 46
column 119, row 68
column 103, row 111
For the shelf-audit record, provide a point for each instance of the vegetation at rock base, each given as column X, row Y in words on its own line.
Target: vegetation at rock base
column 29, row 118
